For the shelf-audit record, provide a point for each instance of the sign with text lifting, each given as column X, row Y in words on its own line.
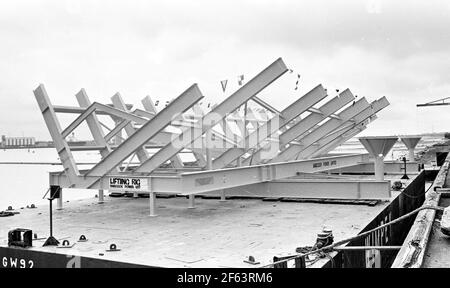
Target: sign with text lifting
column 128, row 184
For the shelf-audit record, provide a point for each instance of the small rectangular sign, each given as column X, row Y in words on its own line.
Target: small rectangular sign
column 128, row 184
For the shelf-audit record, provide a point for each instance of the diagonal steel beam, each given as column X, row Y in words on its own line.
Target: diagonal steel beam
column 273, row 125
column 54, row 127
column 118, row 103
column 332, row 141
column 245, row 93
column 335, row 135
column 331, row 145
column 321, row 131
column 301, row 126
column 375, row 106
column 113, row 132
column 315, row 118
column 265, row 105
column 72, row 126
column 150, row 107
column 147, row 131
column 307, row 101
column 93, row 124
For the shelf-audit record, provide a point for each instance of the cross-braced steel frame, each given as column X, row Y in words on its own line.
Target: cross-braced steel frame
column 232, row 146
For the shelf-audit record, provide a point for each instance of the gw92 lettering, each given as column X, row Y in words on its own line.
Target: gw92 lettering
column 16, row 263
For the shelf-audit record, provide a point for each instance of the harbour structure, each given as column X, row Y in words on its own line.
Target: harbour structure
column 14, row 142
column 281, row 157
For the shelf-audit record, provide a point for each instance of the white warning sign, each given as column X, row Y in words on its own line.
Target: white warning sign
column 128, row 184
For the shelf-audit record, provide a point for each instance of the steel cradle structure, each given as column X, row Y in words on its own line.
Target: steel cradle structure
column 279, row 145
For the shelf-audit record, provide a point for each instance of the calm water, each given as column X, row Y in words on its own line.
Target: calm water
column 22, row 185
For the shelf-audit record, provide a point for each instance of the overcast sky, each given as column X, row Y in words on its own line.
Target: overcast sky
column 397, row 49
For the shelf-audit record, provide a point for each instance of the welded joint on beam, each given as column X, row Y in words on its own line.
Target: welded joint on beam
column 315, row 110
column 334, row 116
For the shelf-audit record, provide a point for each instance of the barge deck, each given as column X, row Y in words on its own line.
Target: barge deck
column 214, row 234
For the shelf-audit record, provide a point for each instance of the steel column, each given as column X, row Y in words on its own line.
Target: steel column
column 101, row 196
column 191, row 201
column 59, row 201
column 152, row 199
column 379, row 168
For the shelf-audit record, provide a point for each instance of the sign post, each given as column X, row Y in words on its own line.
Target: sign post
column 55, row 192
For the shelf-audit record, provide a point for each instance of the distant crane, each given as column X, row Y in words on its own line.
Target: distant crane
column 440, row 102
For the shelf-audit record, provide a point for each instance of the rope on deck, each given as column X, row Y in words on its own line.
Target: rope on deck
column 338, row 243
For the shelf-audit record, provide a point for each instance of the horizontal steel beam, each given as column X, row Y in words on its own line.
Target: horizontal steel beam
column 390, row 167
column 199, row 182
column 86, row 148
column 79, row 110
column 74, row 110
column 314, row 189
column 212, row 180
column 144, row 114
column 94, row 107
